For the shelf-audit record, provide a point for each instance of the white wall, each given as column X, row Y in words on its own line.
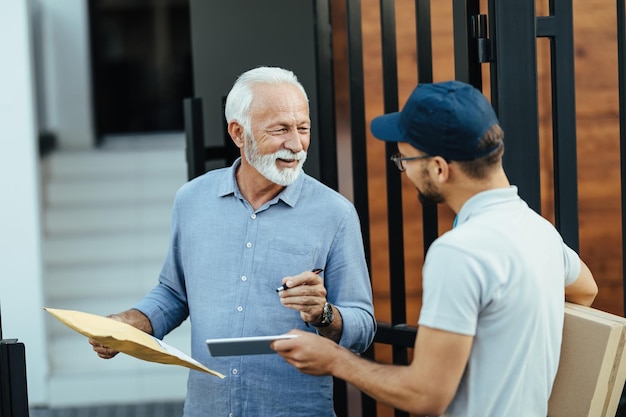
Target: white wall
column 65, row 71
column 21, row 293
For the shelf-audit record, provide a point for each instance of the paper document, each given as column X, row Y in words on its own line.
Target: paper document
column 127, row 339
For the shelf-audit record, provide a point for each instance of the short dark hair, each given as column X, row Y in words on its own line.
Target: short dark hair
column 480, row 167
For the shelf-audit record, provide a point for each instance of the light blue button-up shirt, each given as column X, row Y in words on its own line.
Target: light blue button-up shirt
column 224, row 263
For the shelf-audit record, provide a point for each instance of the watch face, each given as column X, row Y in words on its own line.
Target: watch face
column 327, row 316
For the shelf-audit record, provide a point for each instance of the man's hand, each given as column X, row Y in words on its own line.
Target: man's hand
column 133, row 317
column 309, row 353
column 305, row 293
column 103, row 351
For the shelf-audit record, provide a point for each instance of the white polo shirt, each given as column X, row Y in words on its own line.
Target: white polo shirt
column 499, row 276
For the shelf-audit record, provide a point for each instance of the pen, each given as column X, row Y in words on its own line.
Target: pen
column 285, row 287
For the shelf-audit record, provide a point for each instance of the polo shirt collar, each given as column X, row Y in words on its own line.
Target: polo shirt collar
column 481, row 201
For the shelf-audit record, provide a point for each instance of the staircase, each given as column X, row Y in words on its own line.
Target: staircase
column 106, row 230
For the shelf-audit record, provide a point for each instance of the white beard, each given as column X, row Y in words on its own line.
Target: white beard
column 266, row 164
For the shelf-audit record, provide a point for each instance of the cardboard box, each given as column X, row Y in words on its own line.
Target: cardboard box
column 592, row 368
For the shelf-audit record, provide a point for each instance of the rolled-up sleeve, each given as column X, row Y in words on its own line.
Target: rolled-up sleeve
column 349, row 287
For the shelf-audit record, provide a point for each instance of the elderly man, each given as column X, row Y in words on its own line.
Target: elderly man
column 238, row 234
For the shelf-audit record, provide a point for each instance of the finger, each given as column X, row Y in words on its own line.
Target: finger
column 107, row 355
column 304, row 300
column 307, row 294
column 304, row 278
column 285, row 345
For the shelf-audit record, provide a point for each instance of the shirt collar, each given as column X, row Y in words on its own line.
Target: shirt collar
column 479, row 202
column 289, row 195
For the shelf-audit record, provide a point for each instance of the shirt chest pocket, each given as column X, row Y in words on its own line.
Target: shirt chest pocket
column 283, row 258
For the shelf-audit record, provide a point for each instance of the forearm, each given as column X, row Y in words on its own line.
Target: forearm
column 393, row 385
column 135, row 318
column 584, row 290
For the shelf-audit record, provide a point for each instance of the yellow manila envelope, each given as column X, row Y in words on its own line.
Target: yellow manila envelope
column 127, row 339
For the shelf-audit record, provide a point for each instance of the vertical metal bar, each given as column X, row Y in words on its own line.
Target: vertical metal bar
column 327, row 137
column 621, row 60
column 395, row 232
column 326, row 102
column 394, row 185
column 424, row 41
column 357, row 118
column 514, row 92
column 564, row 123
column 359, row 147
column 466, row 65
column 194, row 137
column 430, row 229
column 13, row 384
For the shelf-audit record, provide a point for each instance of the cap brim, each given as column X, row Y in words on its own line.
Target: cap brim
column 386, row 127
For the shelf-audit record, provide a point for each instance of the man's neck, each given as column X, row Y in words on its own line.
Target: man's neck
column 462, row 191
column 255, row 188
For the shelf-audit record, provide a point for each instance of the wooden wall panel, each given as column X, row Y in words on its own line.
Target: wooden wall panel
column 595, row 41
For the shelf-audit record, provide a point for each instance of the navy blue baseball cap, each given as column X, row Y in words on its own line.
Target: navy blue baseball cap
column 445, row 119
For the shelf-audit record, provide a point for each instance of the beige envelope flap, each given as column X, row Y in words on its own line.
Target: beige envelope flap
column 126, row 338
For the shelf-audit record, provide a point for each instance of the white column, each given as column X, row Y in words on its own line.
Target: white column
column 21, row 291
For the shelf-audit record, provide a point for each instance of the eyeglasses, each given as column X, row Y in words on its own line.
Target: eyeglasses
column 399, row 160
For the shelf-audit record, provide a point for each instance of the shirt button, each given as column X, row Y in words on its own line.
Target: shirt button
column 248, row 245
column 253, row 216
column 231, row 415
column 235, row 371
column 240, row 309
column 244, row 278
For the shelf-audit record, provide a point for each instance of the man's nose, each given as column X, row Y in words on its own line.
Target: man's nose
column 294, row 141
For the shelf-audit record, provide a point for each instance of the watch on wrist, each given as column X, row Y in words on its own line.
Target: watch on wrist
column 327, row 316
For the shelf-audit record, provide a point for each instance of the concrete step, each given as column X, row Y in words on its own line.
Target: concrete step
column 156, row 408
column 71, row 390
column 117, row 386
column 98, row 250
column 140, row 217
column 119, row 158
column 112, row 280
column 111, row 192
column 73, row 164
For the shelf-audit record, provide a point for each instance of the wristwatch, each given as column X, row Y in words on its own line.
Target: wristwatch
column 327, row 316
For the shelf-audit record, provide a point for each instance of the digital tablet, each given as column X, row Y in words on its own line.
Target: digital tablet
column 237, row 346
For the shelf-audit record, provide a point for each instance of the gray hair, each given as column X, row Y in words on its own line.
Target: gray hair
column 241, row 95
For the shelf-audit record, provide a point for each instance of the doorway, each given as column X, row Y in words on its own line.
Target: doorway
column 140, row 65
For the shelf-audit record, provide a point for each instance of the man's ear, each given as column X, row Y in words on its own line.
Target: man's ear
column 235, row 130
column 440, row 170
